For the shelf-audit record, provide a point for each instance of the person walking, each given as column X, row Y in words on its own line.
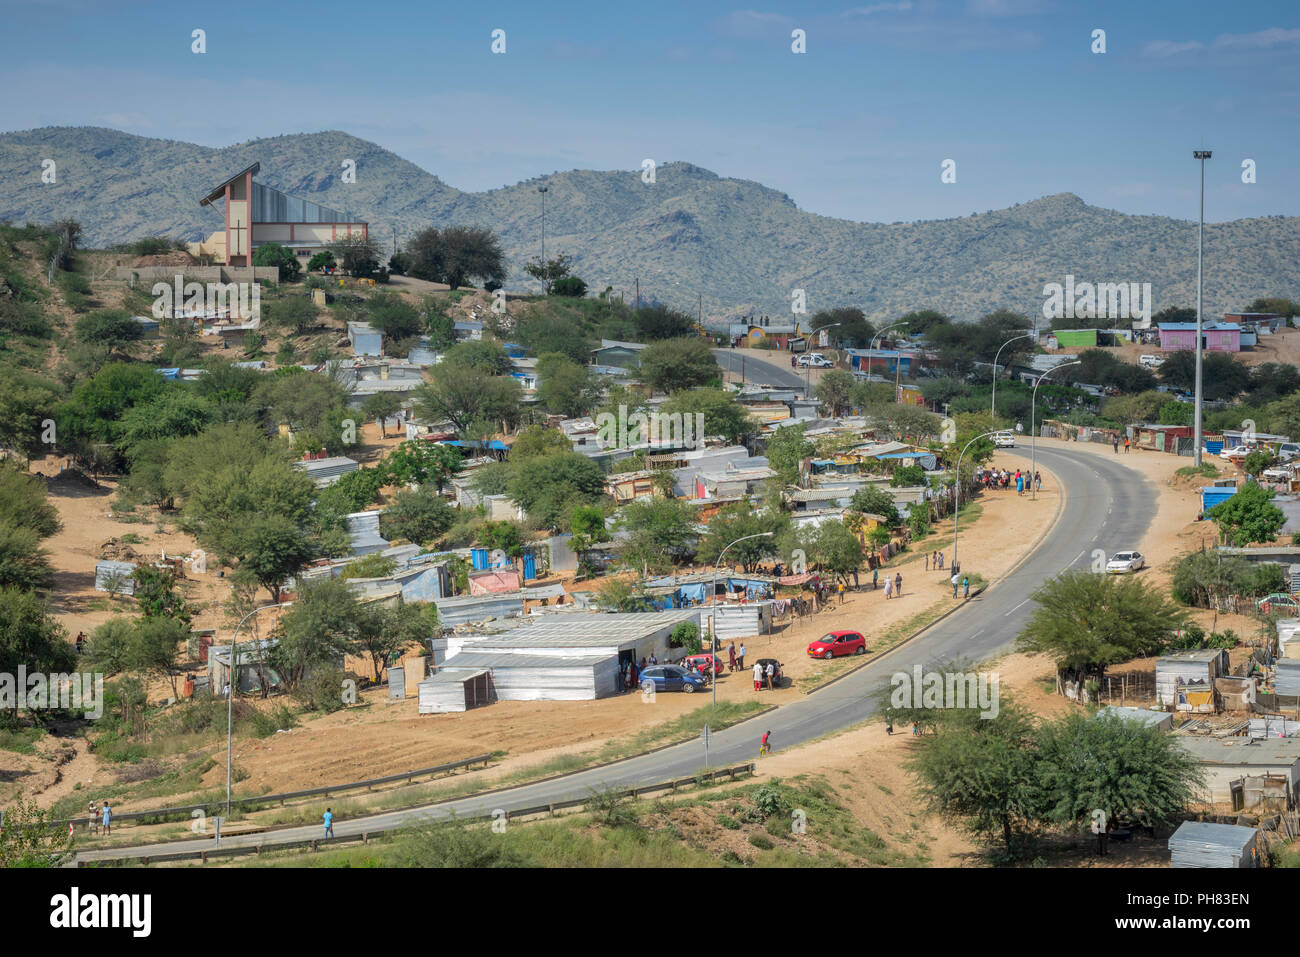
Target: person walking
column 875, row 577
column 965, row 582
column 898, row 584
column 740, row 657
column 731, row 656
column 758, row 676
column 889, row 588
column 841, row 593
column 941, row 561
column 1126, row 444
column 956, row 583
column 927, row 562
column 1115, row 444
column 916, row 728
column 1038, row 481
column 93, row 826
column 1020, row 484
column 765, row 745
column 329, row 823
column 889, row 721
column 107, row 822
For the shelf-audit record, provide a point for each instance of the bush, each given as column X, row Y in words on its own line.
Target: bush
column 770, row 800
column 686, row 635
column 1201, row 577
column 570, row 286
column 322, row 689
column 761, row 841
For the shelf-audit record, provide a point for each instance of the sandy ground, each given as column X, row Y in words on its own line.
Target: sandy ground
column 1281, row 346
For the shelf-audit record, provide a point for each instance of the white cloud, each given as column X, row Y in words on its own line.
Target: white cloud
column 1260, row 40
column 903, row 6
column 751, row 23
column 1167, row 48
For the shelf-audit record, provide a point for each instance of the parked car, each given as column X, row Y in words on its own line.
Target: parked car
column 1125, row 562
column 777, row 675
column 1151, row 362
column 671, row 678
column 1236, row 452
column 701, row 661
column 1004, row 440
column 1278, row 473
column 837, row 644
column 1288, row 451
column 814, row 359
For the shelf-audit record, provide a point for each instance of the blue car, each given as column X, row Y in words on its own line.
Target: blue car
column 671, row 678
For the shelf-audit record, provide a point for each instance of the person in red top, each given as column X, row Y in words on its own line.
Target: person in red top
column 767, row 743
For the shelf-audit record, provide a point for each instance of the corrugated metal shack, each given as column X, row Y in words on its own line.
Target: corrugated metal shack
column 1202, row 844
column 1287, row 676
column 116, row 577
column 1185, row 679
column 533, row 677
column 1158, row 719
column 452, row 691
column 1226, row 760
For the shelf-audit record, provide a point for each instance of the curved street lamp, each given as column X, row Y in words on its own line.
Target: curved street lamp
column 957, row 507
column 807, row 369
column 1033, row 428
column 713, row 597
column 993, row 407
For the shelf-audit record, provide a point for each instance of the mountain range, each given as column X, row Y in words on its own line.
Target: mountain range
column 690, row 236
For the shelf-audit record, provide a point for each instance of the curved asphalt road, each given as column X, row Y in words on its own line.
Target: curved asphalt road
column 1107, row 507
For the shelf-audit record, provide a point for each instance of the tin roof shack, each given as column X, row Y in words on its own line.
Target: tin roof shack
column 451, row 691
column 1227, row 760
column 528, row 677
column 1286, row 675
column 732, row 622
column 1235, row 694
column 1185, row 679
column 1156, row 719
column 1202, row 844
column 365, row 340
column 327, row 471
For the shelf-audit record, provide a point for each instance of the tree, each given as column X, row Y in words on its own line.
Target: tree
column 851, row 326
column 1256, row 461
column 420, row 462
column 565, row 387
column 30, row 637
column 456, row 254
column 357, row 255
column 463, row 395
column 905, row 421
column 156, row 594
column 110, row 645
column 569, row 286
column 1202, row 578
column 723, row 415
column 552, row 484
column 154, row 647
column 482, row 354
column 393, row 316
column 740, row 521
column 871, row 500
column 835, row 391
column 273, row 254
column 587, row 526
column 1275, row 306
column 272, row 547
column 295, row 313
column 923, row 322
column 26, row 400
column 837, row 550
column 1131, row 409
column 548, row 271
column 321, row 261
column 24, row 502
column 660, row 323
column 30, row 838
column 384, row 632
column 982, row 772
column 316, row 631
column 113, row 328
column 673, row 365
column 538, row 440
column 786, row 449
column 24, row 564
column 1123, row 768
column 1086, row 621
column 1273, row 380
column 1223, row 375
column 1248, row 516
column 381, row 407
column 659, row 533
column 417, row 516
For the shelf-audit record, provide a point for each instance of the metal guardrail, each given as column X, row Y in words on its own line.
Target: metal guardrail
column 323, row 791
column 146, row 858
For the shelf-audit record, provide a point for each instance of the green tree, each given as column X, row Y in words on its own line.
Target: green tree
column 565, row 387
column 674, row 365
column 1248, row 516
column 384, row 632
column 155, row 647
column 30, row 838
column 456, row 254
column 723, row 415
column 1223, row 375
column 659, row 533
column 30, row 636
column 786, row 449
column 464, row 395
column 417, row 516
column 24, row 502
column 419, row 462
column 537, row 440
column 659, row 323
column 272, row 547
column 394, row 316
column 740, row 521
column 26, row 401
column 321, row 261
column 871, row 500
column 1256, row 461
column 835, row 391
column 273, row 254
column 357, row 255
column 569, row 286
column 157, row 596
column 837, row 550
column 296, row 313
column 113, row 328
column 24, row 564
column 381, row 407
column 851, row 326
column 1086, row 622
column 316, row 631
column 552, row 484
column 548, row 271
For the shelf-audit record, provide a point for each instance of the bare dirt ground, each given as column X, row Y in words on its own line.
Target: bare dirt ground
column 1281, row 346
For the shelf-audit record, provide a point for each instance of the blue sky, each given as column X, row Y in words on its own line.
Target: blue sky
column 856, row 127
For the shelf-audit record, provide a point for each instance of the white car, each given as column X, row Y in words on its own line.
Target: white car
column 1238, row 452
column 1151, row 362
column 1288, row 451
column 814, row 359
column 1279, row 473
column 1125, row 562
column 1004, row 440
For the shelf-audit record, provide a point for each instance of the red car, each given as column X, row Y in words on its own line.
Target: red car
column 836, row 644
column 700, row 663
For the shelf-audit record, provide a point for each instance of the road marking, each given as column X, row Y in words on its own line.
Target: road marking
column 1013, row 609
column 1077, row 557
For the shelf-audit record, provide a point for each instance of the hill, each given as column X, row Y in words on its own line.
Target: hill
column 739, row 244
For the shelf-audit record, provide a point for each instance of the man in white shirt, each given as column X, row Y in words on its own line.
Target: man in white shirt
column 771, row 674
column 758, row 676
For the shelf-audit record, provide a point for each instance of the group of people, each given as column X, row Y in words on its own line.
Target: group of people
column 893, row 586
column 99, row 819
column 764, row 676
column 1004, row 478
column 1115, row 443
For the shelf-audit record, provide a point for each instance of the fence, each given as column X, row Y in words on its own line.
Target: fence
column 158, row 815
column 146, row 858
column 1130, row 686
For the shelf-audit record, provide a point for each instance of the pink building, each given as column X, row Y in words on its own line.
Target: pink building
column 1219, row 336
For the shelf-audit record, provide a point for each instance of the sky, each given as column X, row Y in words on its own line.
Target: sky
column 859, row 126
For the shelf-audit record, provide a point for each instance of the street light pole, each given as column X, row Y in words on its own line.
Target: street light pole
column 876, row 338
column 713, row 598
column 1201, row 155
column 1033, row 428
column 993, row 407
column 957, row 507
column 807, row 368
column 233, row 681
column 543, row 190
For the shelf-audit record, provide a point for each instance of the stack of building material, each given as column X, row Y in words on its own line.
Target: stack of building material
column 1159, row 719
column 1201, row 844
column 1287, row 680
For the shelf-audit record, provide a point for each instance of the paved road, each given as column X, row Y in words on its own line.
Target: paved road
column 1108, row 507
column 763, row 368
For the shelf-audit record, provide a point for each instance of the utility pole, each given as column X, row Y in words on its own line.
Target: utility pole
column 543, row 190
column 638, row 293
column 1201, row 155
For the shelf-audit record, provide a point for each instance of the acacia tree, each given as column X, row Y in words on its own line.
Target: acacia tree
column 1087, row 622
column 1249, row 516
column 549, row 271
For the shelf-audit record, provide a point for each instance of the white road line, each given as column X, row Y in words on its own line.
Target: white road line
column 1013, row 609
column 1078, row 556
